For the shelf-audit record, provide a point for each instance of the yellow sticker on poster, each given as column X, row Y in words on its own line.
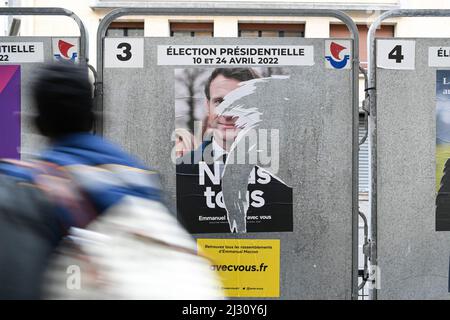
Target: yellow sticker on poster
column 247, row 267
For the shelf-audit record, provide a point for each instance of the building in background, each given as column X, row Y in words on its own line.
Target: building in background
column 363, row 12
column 4, row 20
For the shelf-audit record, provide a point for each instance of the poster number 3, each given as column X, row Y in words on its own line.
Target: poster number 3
column 124, row 53
column 396, row 54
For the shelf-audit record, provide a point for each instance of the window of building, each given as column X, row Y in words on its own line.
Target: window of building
column 363, row 168
column 258, row 30
column 341, row 31
column 191, row 29
column 125, row 29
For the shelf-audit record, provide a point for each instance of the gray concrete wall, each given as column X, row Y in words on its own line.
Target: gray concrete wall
column 316, row 258
column 413, row 257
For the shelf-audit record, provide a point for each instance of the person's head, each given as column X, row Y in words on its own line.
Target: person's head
column 219, row 84
column 63, row 98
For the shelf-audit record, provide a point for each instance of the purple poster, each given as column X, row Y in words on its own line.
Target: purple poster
column 9, row 111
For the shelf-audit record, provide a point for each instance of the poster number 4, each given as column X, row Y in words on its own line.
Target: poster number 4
column 396, row 54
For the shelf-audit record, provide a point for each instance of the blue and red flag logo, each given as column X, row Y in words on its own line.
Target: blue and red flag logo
column 336, row 57
column 66, row 51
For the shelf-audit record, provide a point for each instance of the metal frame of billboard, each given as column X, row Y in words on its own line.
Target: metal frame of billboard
column 372, row 96
column 50, row 11
column 217, row 9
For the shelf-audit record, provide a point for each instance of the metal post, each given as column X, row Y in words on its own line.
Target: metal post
column 218, row 9
column 28, row 11
column 364, row 107
column 373, row 111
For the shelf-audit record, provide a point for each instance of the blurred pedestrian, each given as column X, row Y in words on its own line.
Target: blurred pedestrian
column 78, row 178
